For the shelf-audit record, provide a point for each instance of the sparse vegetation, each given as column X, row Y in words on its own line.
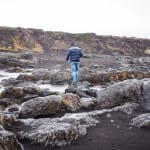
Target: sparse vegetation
column 84, row 36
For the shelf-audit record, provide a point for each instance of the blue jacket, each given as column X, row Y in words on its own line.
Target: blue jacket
column 74, row 54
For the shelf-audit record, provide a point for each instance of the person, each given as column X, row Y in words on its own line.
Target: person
column 74, row 55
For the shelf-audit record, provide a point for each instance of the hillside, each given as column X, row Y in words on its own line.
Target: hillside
column 36, row 40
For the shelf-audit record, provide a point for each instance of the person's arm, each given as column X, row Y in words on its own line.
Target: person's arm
column 68, row 55
column 81, row 54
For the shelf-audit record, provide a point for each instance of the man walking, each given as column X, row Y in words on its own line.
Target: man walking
column 74, row 55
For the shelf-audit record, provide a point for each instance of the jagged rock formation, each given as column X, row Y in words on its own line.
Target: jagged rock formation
column 145, row 98
column 49, row 105
column 10, row 59
column 19, row 95
column 142, row 120
column 16, row 39
column 57, row 76
column 12, row 39
column 62, row 131
column 114, row 95
column 8, row 141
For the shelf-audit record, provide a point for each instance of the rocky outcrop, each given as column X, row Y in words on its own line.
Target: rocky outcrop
column 41, row 106
column 145, row 97
column 15, row 60
column 142, row 120
column 19, row 95
column 6, row 118
column 113, row 76
column 119, row 93
column 16, row 39
column 62, row 131
column 49, row 105
column 8, row 141
column 61, row 76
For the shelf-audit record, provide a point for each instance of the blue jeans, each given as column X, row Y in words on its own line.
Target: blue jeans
column 75, row 70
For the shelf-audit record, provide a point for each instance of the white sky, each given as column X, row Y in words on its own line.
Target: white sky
column 103, row 17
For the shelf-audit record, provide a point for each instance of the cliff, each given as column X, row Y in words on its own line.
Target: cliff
column 36, row 40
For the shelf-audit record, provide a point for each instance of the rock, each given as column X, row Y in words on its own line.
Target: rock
column 50, row 105
column 88, row 103
column 51, row 132
column 127, row 108
column 101, row 77
column 5, row 102
column 145, row 97
column 13, row 92
column 27, row 56
column 7, row 118
column 59, row 76
column 119, row 93
column 15, row 69
column 10, row 81
column 26, row 77
column 54, row 76
column 41, row 74
column 71, row 101
column 19, row 95
column 142, row 120
column 60, row 131
column 8, row 141
column 41, row 106
column 57, row 131
column 11, row 60
column 82, row 91
column 13, row 108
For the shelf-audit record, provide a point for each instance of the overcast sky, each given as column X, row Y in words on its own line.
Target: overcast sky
column 104, row 17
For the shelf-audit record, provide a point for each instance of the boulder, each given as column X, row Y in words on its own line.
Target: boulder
column 26, row 77
column 83, row 90
column 49, row 105
column 41, row 106
column 100, row 77
column 71, row 101
column 119, row 93
column 7, row 118
column 19, row 95
column 8, row 140
column 14, row 61
column 57, row 76
column 63, row 130
column 53, row 132
column 142, row 120
column 145, row 97
column 88, row 103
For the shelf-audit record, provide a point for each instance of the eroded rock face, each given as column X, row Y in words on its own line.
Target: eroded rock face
column 59, row 76
column 8, row 141
column 41, row 106
column 6, row 118
column 119, row 93
column 62, row 131
column 142, row 120
column 107, row 77
column 71, row 101
column 145, row 97
column 19, row 95
column 49, row 131
column 14, row 60
column 82, row 91
column 50, row 105
column 17, row 39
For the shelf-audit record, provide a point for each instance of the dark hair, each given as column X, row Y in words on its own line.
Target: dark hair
column 73, row 44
